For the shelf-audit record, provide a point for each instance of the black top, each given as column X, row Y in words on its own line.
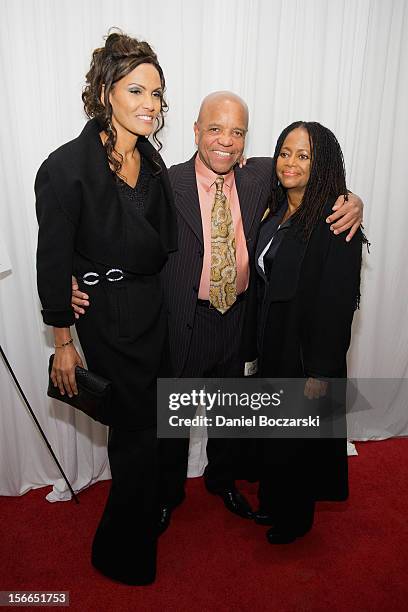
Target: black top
column 134, row 198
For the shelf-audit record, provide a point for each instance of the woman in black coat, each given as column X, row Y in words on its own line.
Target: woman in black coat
column 106, row 215
column 309, row 288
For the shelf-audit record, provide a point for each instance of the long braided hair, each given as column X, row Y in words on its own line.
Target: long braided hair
column 327, row 176
column 120, row 55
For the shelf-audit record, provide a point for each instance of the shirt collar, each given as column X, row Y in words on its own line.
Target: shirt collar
column 206, row 177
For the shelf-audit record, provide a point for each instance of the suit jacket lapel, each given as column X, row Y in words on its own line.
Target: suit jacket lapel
column 187, row 202
column 161, row 216
column 249, row 191
column 186, row 198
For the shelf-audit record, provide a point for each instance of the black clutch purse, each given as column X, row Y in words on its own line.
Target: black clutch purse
column 94, row 394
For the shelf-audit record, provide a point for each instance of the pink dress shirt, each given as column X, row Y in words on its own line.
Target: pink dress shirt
column 206, row 194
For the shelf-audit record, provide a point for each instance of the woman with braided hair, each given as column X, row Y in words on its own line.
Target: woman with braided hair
column 106, row 215
column 309, row 288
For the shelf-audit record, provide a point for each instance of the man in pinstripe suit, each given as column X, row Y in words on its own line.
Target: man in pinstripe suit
column 203, row 342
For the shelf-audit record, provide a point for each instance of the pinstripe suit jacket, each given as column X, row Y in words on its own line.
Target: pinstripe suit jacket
column 181, row 275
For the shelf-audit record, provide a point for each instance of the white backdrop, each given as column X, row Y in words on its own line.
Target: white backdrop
column 341, row 62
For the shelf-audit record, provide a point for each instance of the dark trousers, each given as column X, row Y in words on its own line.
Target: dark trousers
column 214, row 352
column 285, row 489
column 125, row 543
column 173, row 460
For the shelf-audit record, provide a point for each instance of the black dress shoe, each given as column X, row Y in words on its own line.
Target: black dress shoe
column 164, row 518
column 236, row 503
column 279, row 535
column 263, row 518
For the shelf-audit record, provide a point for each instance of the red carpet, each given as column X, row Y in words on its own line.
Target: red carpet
column 355, row 559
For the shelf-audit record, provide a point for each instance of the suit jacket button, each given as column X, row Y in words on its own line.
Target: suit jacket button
column 189, row 326
column 195, row 289
column 201, row 253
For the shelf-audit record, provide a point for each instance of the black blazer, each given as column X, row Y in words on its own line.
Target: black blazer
column 308, row 302
column 182, row 273
column 80, row 215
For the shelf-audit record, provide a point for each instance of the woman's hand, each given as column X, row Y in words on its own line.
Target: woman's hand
column 78, row 299
column 314, row 388
column 63, row 370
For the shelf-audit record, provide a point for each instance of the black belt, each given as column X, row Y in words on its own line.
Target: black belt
column 112, row 276
column 207, row 303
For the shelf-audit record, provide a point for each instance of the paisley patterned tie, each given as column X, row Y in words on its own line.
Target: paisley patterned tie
column 223, row 275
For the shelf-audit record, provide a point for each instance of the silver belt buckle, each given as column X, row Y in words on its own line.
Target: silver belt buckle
column 90, row 275
column 113, row 279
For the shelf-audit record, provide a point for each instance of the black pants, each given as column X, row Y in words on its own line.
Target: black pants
column 214, row 352
column 125, row 543
column 284, row 490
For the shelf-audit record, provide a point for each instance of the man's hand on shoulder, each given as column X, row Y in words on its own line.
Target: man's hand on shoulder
column 79, row 300
column 348, row 215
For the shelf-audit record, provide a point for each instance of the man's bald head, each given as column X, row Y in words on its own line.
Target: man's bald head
column 224, row 98
column 220, row 130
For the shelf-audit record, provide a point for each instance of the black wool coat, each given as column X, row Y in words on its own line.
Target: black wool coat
column 306, row 307
column 85, row 227
column 308, row 302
